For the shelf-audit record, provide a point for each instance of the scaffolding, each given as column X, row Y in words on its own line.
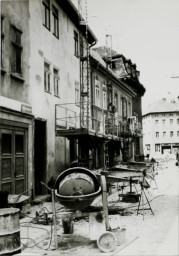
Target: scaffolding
column 84, row 67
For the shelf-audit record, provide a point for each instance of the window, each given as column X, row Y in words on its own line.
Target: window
column 156, row 115
column 55, row 21
column 163, row 121
column 171, row 134
column 81, row 47
column 104, row 96
column 164, row 134
column 170, row 114
column 77, row 93
column 157, row 134
column 97, row 93
column 116, row 100
column 46, row 13
column 16, row 50
column 56, row 80
column 178, row 121
column 76, row 43
column 156, row 122
column 2, row 39
column 147, row 146
column 47, row 77
column 171, row 121
column 177, row 133
column 157, row 147
column 163, row 114
column 124, row 108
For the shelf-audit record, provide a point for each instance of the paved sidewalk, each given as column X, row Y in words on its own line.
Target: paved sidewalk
column 170, row 246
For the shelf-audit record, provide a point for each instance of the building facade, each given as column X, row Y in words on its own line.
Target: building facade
column 60, row 101
column 161, row 128
column 40, row 67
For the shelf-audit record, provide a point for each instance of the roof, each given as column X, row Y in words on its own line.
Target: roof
column 69, row 8
column 120, row 70
column 162, row 106
column 97, row 58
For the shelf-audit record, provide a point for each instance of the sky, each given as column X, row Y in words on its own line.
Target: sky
column 145, row 31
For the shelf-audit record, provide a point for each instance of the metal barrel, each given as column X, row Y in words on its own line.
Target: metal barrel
column 76, row 188
column 9, row 231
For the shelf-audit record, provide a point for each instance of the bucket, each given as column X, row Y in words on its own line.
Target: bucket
column 67, row 225
column 120, row 235
column 9, row 231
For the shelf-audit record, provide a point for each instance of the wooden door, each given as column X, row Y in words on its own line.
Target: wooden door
column 13, row 158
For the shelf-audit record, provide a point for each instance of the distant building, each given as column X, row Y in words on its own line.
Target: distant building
column 161, row 128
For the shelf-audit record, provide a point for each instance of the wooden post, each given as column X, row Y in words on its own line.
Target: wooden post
column 105, row 201
column 54, row 218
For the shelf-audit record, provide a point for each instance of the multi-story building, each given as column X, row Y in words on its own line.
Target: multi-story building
column 40, row 67
column 161, row 128
column 113, row 123
column 59, row 101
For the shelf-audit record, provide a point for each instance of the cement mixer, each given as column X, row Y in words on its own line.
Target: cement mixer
column 76, row 188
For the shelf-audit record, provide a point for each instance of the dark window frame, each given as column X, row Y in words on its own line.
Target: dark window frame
column 55, row 21
column 56, row 84
column 2, row 41
column 47, row 85
column 16, row 50
column 46, row 10
column 76, row 43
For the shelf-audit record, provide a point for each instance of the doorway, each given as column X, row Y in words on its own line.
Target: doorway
column 40, row 155
column 13, row 158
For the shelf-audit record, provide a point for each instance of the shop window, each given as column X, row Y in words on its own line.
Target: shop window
column 56, row 82
column 55, row 21
column 76, row 43
column 157, row 147
column 47, row 77
column 16, row 50
column 46, row 13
